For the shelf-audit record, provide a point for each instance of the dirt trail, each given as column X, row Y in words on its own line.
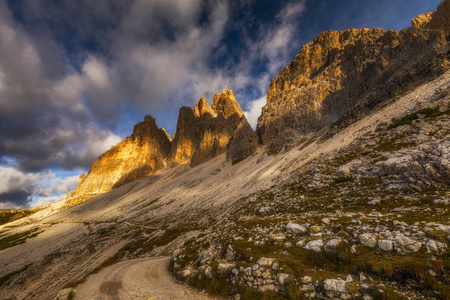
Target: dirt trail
column 146, row 278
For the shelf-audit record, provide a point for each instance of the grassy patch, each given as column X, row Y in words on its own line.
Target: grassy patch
column 344, row 179
column 17, row 239
column 408, row 119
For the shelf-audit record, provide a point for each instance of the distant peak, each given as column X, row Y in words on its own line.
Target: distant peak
column 226, row 104
column 149, row 118
column 202, row 109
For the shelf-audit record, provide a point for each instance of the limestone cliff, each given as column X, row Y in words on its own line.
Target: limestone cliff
column 204, row 132
column 340, row 76
column 439, row 19
column 139, row 155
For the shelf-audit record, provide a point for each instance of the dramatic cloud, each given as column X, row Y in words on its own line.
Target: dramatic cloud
column 18, row 189
column 76, row 75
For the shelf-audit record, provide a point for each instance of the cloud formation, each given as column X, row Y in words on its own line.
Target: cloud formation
column 18, row 189
column 69, row 71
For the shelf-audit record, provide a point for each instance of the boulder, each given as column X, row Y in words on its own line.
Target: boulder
column 435, row 247
column 404, row 244
column 294, row 228
column 315, row 245
column 386, row 245
column 368, row 240
column 332, row 245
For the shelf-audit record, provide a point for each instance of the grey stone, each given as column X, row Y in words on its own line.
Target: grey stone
column 294, row 228
column 331, row 245
column 315, row 245
column 368, row 240
column 386, row 245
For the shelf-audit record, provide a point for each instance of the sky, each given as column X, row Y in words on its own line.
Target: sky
column 76, row 76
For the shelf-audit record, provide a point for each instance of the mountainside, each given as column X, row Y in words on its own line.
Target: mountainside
column 346, row 74
column 356, row 206
column 202, row 134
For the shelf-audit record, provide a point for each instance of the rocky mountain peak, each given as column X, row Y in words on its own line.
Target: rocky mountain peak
column 340, row 76
column 439, row 19
column 225, row 104
column 203, row 110
column 142, row 153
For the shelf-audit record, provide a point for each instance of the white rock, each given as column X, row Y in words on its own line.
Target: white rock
column 335, row 285
column 386, row 245
column 441, row 201
column 306, row 279
column 433, row 246
column 184, row 273
column 300, row 243
column 404, row 244
column 331, row 245
column 278, row 237
column 326, row 221
column 294, row 228
column 224, row 268
column 315, row 245
column 266, row 262
column 208, row 272
column 368, row 240
column 282, row 278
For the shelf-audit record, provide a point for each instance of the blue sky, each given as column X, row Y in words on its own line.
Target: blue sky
column 75, row 76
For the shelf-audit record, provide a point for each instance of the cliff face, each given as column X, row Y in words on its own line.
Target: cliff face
column 439, row 19
column 142, row 153
column 359, row 69
column 202, row 133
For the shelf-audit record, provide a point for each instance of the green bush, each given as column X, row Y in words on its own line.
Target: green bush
column 344, row 179
column 407, row 120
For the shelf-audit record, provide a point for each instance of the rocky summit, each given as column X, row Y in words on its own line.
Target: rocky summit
column 340, row 76
column 203, row 133
column 343, row 192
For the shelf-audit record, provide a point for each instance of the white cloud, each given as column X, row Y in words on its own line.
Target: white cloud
column 18, row 189
column 255, row 111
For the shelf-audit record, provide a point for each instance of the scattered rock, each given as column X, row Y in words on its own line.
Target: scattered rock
column 386, row 245
column 368, row 240
column 293, row 228
column 433, row 246
column 404, row 244
column 315, row 245
column 315, row 229
column 277, row 237
column 331, row 245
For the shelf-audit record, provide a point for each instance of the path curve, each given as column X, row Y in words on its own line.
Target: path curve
column 146, row 278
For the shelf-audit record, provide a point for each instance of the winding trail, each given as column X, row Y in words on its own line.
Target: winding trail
column 146, row 278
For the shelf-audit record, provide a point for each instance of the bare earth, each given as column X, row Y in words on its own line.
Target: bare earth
column 145, row 278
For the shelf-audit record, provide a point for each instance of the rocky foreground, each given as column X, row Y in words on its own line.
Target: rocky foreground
column 370, row 221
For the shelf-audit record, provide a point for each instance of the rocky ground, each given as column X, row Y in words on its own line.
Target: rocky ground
column 370, row 221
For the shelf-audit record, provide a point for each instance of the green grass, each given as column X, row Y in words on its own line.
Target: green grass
column 344, row 179
column 408, row 119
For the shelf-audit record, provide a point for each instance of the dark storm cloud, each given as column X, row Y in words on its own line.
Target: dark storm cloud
column 18, row 198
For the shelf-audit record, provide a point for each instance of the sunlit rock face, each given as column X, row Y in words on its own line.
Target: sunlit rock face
column 439, row 19
column 204, row 132
column 341, row 75
column 142, row 153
